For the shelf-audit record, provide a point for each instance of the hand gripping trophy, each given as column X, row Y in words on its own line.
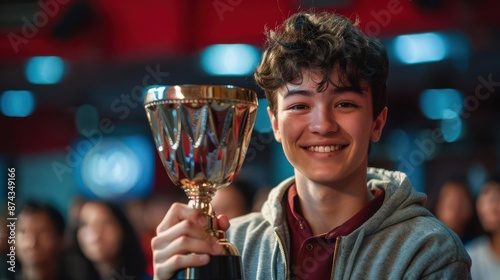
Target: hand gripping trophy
column 202, row 134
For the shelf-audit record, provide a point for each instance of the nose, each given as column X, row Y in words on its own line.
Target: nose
column 323, row 120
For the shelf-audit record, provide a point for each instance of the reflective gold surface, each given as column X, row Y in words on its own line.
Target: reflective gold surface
column 201, row 134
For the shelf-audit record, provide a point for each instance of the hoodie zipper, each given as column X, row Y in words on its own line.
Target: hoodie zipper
column 335, row 255
column 282, row 249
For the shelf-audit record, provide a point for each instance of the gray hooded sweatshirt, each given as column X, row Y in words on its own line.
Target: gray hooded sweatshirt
column 402, row 240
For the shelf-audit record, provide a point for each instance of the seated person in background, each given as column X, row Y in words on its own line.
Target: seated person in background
column 40, row 242
column 325, row 82
column 106, row 245
column 234, row 200
column 485, row 250
column 455, row 208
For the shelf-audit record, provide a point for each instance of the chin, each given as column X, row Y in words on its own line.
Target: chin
column 326, row 178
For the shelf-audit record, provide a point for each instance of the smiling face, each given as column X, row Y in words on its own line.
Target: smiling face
column 326, row 135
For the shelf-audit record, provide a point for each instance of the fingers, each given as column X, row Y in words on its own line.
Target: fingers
column 162, row 251
column 184, row 237
column 182, row 241
column 182, row 231
column 179, row 212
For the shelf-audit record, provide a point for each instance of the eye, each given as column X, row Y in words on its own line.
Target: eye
column 346, row 105
column 297, row 107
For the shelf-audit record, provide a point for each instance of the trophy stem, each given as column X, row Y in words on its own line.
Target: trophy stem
column 199, row 198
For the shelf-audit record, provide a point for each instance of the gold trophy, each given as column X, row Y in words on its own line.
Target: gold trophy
column 202, row 133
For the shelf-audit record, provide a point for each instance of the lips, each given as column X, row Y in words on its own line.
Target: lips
column 326, row 149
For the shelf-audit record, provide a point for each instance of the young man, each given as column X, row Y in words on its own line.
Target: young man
column 39, row 242
column 335, row 218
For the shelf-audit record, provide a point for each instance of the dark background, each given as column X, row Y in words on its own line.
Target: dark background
column 109, row 47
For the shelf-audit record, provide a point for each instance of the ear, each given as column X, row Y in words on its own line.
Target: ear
column 378, row 125
column 274, row 125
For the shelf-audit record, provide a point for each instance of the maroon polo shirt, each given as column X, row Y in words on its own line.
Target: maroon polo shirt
column 311, row 257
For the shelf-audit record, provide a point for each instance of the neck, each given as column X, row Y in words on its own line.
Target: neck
column 46, row 271
column 338, row 202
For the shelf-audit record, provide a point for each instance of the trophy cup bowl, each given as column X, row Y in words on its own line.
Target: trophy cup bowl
column 202, row 133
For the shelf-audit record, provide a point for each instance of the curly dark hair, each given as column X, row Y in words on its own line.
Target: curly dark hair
column 326, row 42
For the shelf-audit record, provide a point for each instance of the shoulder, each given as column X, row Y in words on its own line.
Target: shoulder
column 422, row 239
column 437, row 242
column 425, row 247
column 431, row 233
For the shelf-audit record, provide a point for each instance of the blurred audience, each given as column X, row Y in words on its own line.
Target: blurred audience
column 234, row 200
column 40, row 243
column 154, row 209
column 455, row 208
column 105, row 245
column 485, row 250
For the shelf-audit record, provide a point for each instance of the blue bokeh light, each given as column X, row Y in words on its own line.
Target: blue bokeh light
column 230, row 59
column 439, row 104
column 45, row 69
column 17, row 103
column 117, row 168
column 420, row 48
column 451, row 129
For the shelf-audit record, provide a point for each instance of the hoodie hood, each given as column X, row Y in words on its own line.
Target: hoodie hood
column 401, row 201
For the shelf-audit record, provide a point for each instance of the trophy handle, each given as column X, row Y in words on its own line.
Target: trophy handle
column 229, row 248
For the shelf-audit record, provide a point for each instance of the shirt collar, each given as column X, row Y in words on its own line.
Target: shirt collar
column 300, row 227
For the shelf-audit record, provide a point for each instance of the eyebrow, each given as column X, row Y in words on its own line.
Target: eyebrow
column 337, row 90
